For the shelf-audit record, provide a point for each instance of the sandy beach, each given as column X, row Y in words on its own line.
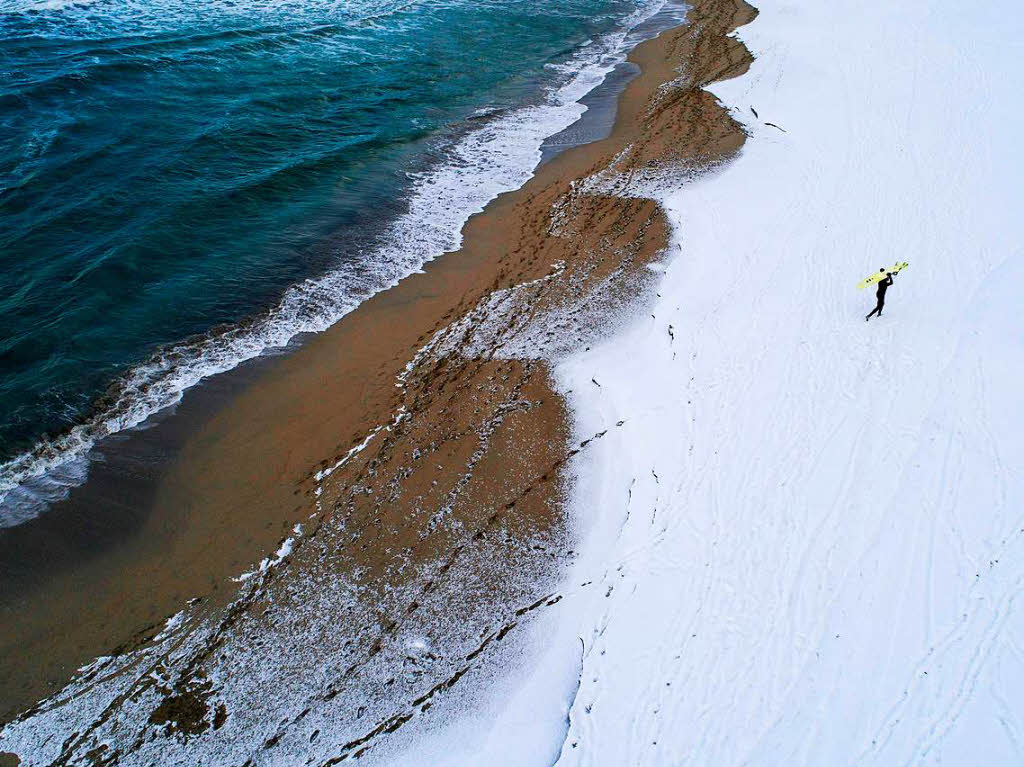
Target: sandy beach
column 401, row 476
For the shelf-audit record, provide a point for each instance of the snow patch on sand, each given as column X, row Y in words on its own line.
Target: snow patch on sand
column 267, row 563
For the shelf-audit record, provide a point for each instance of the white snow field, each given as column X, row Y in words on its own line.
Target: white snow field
column 805, row 543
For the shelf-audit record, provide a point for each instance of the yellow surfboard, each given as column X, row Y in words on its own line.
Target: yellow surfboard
column 881, row 275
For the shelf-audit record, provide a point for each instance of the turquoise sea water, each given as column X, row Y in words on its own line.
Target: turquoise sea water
column 185, row 184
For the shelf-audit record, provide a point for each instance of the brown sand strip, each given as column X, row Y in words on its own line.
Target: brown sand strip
column 447, row 525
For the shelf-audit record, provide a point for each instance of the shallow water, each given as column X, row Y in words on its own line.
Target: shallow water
column 183, row 186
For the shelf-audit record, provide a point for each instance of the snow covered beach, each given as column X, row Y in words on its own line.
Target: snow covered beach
column 806, row 539
column 801, row 534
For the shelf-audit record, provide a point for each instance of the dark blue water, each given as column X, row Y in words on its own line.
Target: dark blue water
column 170, row 170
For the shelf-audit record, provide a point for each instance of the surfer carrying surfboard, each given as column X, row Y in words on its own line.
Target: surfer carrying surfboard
column 883, row 285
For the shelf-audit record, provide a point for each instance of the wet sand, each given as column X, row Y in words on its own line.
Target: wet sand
column 445, row 524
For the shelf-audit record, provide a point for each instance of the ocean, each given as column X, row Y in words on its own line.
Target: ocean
column 185, row 185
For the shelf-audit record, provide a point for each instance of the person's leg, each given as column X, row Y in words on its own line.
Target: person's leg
column 876, row 310
column 881, row 303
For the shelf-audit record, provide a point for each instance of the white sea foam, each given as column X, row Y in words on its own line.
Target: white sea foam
column 497, row 157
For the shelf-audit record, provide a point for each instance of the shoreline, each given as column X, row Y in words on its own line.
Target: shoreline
column 400, row 526
column 461, row 170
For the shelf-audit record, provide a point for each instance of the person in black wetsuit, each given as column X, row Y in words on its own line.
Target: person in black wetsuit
column 883, row 285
